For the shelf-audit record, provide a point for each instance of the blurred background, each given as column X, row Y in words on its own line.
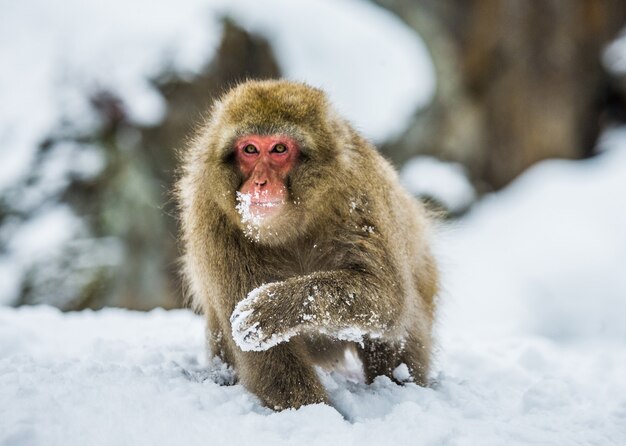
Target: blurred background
column 462, row 96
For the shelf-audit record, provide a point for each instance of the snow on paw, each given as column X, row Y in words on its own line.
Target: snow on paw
column 246, row 331
column 252, row 330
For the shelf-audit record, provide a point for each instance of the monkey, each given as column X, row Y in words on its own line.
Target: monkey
column 298, row 242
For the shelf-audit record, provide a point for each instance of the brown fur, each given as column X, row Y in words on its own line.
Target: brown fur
column 348, row 251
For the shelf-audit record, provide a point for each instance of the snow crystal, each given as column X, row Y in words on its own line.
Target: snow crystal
column 352, row 334
column 255, row 214
column 368, row 229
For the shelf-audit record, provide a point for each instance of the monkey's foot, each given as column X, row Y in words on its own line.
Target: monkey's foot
column 255, row 326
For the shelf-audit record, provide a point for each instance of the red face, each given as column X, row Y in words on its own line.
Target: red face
column 265, row 161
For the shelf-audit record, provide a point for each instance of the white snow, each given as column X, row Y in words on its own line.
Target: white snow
column 244, row 201
column 425, row 176
column 402, row 373
column 250, row 337
column 532, row 346
column 547, row 255
column 255, row 211
column 37, row 240
column 55, row 55
column 614, row 57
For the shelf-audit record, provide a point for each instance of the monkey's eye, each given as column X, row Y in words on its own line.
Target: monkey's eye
column 279, row 148
column 250, row 149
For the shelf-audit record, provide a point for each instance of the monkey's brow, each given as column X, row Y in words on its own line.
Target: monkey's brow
column 297, row 136
column 267, row 129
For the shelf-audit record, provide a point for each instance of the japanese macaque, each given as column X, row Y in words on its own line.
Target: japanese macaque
column 299, row 242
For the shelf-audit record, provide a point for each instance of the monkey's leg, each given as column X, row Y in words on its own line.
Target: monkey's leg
column 416, row 353
column 282, row 377
column 382, row 357
column 217, row 339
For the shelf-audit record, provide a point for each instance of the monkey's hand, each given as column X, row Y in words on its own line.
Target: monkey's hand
column 261, row 320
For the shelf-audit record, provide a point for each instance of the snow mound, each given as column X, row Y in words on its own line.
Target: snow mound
column 546, row 256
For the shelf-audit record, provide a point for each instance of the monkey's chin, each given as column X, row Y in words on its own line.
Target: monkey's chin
column 267, row 221
column 274, row 228
column 260, row 222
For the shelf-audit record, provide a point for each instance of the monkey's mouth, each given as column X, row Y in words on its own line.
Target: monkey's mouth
column 267, row 204
column 257, row 207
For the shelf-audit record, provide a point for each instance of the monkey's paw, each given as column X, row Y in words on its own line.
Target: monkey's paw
column 256, row 322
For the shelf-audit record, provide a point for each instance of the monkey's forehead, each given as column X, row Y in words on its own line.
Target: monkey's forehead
column 267, row 106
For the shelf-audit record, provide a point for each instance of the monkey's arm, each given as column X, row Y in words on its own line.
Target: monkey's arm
column 344, row 304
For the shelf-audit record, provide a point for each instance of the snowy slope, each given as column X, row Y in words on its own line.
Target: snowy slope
column 532, row 346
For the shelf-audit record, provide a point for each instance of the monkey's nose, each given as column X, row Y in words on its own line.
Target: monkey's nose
column 260, row 183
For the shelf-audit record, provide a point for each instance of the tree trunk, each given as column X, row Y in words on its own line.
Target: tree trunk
column 520, row 81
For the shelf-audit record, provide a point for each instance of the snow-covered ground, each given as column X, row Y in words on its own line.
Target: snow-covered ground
column 532, row 345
